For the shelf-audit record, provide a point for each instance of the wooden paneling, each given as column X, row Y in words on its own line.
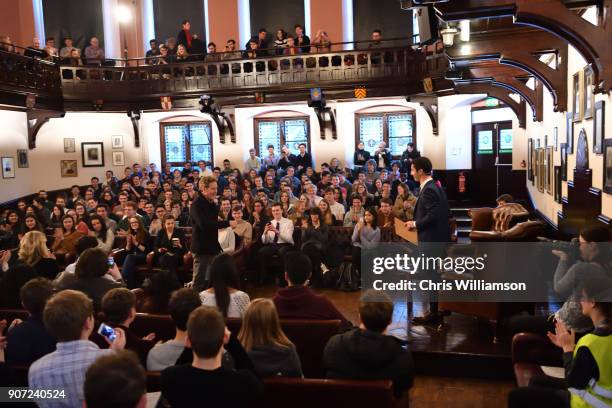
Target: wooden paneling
column 385, row 15
column 77, row 18
column 169, row 14
column 275, row 14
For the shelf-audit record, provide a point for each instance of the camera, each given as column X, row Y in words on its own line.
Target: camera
column 571, row 248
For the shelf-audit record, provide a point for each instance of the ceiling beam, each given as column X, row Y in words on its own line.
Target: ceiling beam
column 521, row 48
column 554, row 16
column 498, row 92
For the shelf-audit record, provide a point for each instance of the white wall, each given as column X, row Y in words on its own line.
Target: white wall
column 544, row 202
column 44, row 160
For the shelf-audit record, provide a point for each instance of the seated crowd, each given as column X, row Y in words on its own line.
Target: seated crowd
column 188, row 47
column 60, row 263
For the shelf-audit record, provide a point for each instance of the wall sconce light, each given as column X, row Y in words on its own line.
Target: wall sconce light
column 448, row 36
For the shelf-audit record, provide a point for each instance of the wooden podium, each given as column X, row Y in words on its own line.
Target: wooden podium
column 405, row 233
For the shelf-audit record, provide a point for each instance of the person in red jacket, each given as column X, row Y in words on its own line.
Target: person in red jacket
column 298, row 301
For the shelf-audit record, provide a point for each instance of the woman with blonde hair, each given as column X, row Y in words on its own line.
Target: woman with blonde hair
column 261, row 335
column 33, row 252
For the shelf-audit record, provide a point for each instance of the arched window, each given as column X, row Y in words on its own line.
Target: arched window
column 186, row 141
column 396, row 129
column 291, row 131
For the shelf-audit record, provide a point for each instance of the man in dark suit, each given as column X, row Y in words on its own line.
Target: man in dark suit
column 431, row 214
column 205, row 223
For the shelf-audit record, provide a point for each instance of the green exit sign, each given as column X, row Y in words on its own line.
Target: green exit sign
column 489, row 102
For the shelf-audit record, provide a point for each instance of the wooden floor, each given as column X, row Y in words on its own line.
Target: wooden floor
column 457, row 364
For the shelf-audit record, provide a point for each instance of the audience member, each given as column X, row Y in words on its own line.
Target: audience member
column 68, row 316
column 299, row 302
column 33, row 252
column 182, row 303
column 223, row 292
column 314, row 243
column 586, row 361
column 207, row 336
column 366, row 352
column 89, row 278
column 138, row 244
column 116, row 380
column 94, row 55
column 261, row 335
column 302, row 40
column 170, row 245
column 280, row 41
column 404, row 203
column 366, row 236
column 355, row 213
column 30, row 340
column 277, row 238
column 184, row 36
column 119, row 308
column 384, row 216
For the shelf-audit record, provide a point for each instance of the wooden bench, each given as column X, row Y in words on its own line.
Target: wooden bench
column 309, row 336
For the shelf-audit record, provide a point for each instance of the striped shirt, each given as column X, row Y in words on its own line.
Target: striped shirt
column 64, row 369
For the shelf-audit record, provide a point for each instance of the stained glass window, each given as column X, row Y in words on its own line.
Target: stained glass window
column 395, row 129
column 371, row 132
column 400, row 133
column 184, row 142
column 277, row 132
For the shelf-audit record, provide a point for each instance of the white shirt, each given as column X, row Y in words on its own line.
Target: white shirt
column 337, row 210
column 284, row 228
column 425, row 181
column 239, row 301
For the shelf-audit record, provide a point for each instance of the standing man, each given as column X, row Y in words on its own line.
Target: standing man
column 431, row 214
column 204, row 214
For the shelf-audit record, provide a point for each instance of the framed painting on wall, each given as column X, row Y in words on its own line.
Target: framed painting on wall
column 118, row 159
column 588, row 94
column 22, row 159
column 530, row 159
column 564, row 161
column 68, row 168
column 558, row 184
column 8, row 167
column 577, row 94
column 607, row 174
column 569, row 129
column 92, row 154
column 117, row 142
column 550, row 169
column 599, row 129
column 69, row 145
column 541, row 169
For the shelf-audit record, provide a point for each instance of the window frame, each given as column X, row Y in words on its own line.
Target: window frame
column 162, row 141
column 385, row 115
column 280, row 120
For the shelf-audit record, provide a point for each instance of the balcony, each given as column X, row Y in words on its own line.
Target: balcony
column 140, row 82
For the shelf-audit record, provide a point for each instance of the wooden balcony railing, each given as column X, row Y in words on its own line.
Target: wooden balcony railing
column 28, row 75
column 269, row 74
column 138, row 79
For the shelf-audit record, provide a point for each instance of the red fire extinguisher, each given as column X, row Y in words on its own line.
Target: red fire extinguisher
column 461, row 183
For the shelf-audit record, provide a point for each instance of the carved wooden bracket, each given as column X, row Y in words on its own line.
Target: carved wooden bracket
column 135, row 117
column 496, row 91
column 430, row 104
column 592, row 42
column 36, row 119
column 521, row 48
column 320, row 113
column 223, row 120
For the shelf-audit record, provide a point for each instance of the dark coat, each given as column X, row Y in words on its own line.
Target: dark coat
column 367, row 355
column 205, row 225
column 431, row 214
column 28, row 342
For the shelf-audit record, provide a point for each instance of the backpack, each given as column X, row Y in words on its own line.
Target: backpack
column 349, row 279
